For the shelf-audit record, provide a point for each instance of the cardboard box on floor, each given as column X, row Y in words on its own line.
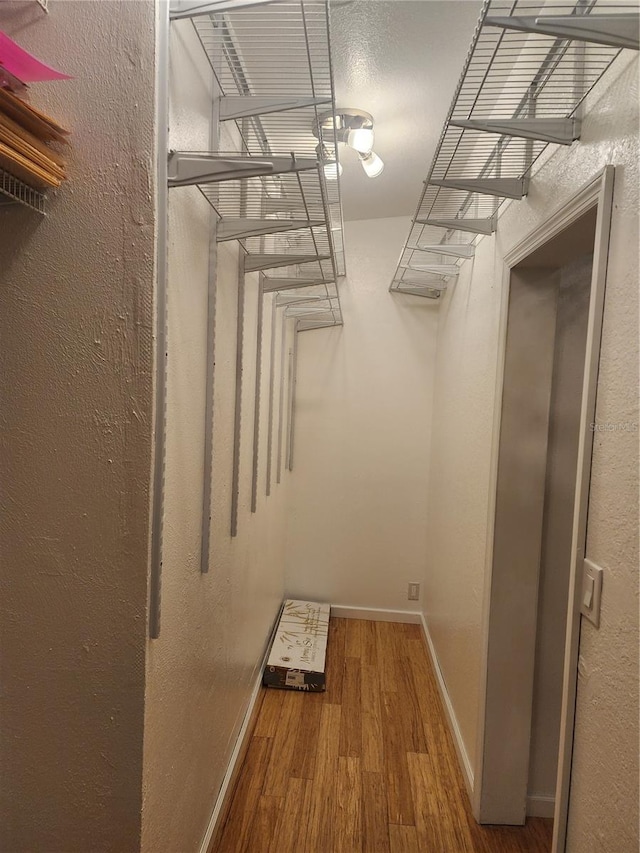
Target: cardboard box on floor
column 297, row 657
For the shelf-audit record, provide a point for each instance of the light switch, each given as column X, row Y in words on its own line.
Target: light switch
column 591, row 592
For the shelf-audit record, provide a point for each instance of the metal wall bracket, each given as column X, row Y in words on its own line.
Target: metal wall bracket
column 501, row 187
column 475, row 226
column 304, row 311
column 187, row 168
column 293, row 299
column 238, row 229
column 253, row 263
column 274, row 284
column 309, row 324
column 415, row 290
column 453, row 250
column 233, row 107
column 562, row 131
column 192, row 8
column 450, row 270
column 620, row 30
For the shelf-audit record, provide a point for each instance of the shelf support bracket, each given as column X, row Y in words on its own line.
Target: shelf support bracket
column 562, row 131
column 475, row 226
column 417, row 290
column 254, row 263
column 271, row 285
column 187, row 168
column 239, row 229
column 619, row 30
column 453, row 250
column 179, row 9
column 450, row 270
column 501, row 187
column 294, row 310
column 234, row 107
column 292, row 299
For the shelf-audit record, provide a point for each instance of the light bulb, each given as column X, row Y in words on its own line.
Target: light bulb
column 372, row 164
column 361, row 139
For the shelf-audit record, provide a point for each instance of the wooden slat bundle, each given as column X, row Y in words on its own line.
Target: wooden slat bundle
column 26, row 135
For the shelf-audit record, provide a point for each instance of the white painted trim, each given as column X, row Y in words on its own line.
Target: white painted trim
column 463, row 756
column 539, row 806
column 562, row 218
column 239, row 749
column 374, row 614
column 491, row 518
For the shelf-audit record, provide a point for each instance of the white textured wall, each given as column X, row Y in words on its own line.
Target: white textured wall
column 459, row 479
column 357, row 522
column 76, row 296
column 604, row 797
column 201, row 670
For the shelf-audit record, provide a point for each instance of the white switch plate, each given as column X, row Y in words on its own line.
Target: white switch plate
column 591, row 592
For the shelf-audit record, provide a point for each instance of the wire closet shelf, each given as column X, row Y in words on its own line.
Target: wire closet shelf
column 13, row 190
column 529, row 67
column 272, row 63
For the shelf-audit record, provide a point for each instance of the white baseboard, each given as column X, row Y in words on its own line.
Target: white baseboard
column 374, row 614
column 239, row 750
column 467, row 769
column 540, row 806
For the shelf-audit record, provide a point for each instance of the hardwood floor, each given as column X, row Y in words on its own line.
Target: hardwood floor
column 366, row 767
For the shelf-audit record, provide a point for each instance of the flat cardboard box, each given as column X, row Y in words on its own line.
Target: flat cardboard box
column 297, row 657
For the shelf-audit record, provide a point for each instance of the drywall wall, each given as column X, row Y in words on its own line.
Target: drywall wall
column 76, row 295
column 604, row 795
column 459, row 481
column 357, row 520
column 215, row 626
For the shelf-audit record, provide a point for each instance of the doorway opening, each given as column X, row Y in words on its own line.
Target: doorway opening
column 552, row 325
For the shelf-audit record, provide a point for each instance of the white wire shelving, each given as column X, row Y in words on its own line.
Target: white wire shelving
column 529, row 67
column 272, row 63
column 15, row 191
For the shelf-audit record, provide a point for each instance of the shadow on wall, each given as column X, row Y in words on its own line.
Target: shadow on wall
column 18, row 226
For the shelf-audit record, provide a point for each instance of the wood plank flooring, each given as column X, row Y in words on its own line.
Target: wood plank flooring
column 366, row 767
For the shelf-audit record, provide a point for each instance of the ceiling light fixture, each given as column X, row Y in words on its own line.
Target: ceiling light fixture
column 354, row 128
column 371, row 163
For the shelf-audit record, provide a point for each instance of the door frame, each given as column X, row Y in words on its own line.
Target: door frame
column 598, row 192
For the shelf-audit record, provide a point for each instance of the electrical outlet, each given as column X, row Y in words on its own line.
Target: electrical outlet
column 413, row 593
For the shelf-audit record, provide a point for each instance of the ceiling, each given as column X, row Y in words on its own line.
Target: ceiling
column 400, row 60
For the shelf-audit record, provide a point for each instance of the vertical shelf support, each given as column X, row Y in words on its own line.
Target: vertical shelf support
column 160, row 426
column 256, row 407
column 235, row 484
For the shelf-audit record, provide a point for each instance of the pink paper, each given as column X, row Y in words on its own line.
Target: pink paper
column 23, row 65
